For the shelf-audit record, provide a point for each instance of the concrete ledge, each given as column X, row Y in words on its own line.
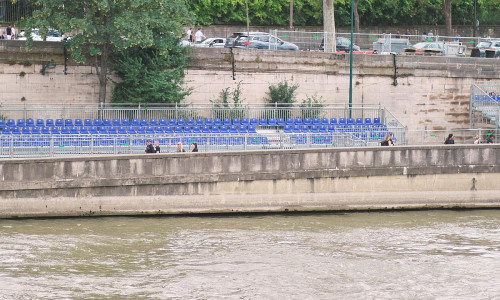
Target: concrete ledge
column 465, row 176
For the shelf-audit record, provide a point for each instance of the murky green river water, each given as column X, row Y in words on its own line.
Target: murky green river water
column 397, row 255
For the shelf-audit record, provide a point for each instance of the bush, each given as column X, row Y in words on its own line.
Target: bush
column 282, row 97
column 312, row 107
column 229, row 104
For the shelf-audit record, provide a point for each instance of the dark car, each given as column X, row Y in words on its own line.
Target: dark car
column 258, row 40
column 343, row 45
column 480, row 49
column 494, row 50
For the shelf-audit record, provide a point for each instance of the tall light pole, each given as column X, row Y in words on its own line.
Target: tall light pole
column 475, row 18
column 350, row 58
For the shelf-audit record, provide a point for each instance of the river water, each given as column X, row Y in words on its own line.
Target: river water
column 398, row 255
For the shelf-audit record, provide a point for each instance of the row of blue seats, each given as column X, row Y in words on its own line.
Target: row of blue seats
column 487, row 98
column 185, row 129
column 188, row 122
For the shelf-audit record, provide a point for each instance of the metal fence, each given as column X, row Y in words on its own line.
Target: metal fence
column 484, row 107
column 311, row 41
column 11, row 12
column 461, row 136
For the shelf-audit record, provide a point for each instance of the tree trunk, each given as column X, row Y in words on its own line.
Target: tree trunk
column 103, row 74
column 329, row 26
column 447, row 16
column 356, row 16
column 291, row 14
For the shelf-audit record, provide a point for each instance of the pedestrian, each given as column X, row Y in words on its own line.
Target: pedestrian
column 9, row 31
column 457, row 37
column 387, row 141
column 157, row 146
column 490, row 139
column 179, row 147
column 407, row 34
column 149, row 147
column 2, row 37
column 477, row 141
column 450, row 139
column 199, row 36
column 430, row 36
column 195, row 147
column 189, row 34
column 398, row 35
column 423, row 38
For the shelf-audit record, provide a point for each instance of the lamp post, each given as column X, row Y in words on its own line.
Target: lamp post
column 350, row 59
column 475, row 18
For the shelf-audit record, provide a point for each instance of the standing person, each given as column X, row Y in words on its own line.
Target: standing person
column 490, row 139
column 157, row 146
column 477, row 141
column 149, row 147
column 195, row 147
column 430, row 36
column 407, row 34
column 450, row 139
column 398, row 35
column 179, row 147
column 9, row 32
column 457, row 37
column 199, row 36
column 2, row 37
column 189, row 34
column 423, row 38
column 387, row 141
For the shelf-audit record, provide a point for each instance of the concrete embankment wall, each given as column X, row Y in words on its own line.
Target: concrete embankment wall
column 253, row 181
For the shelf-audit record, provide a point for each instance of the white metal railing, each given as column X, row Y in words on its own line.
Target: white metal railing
column 485, row 100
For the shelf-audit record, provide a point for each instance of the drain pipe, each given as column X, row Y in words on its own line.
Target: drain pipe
column 395, row 83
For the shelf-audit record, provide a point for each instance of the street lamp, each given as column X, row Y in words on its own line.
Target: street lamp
column 350, row 59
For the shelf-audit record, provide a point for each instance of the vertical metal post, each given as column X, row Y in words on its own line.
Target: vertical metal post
column 350, row 59
column 475, row 19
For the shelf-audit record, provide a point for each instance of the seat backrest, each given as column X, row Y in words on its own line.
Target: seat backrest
column 307, row 121
column 59, row 122
column 217, row 122
column 78, row 122
column 298, row 121
column 87, row 122
column 181, row 122
column 116, row 122
column 68, row 122
column 342, row 121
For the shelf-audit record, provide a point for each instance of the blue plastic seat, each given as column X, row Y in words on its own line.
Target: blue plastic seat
column 45, row 130
column 324, row 121
column 131, row 130
column 21, row 123
column 215, row 129
column 368, row 121
column 314, row 128
column 141, row 130
column 16, row 130
column 178, row 129
column 245, row 121
column 25, row 130
column 150, row 130
column 73, row 130
column 190, row 122
column 163, row 122
column 280, row 122
column 287, row 129
column 331, row 127
column 169, row 129
column 376, row 121
column 97, row 122
column 307, row 121
column 78, row 122
column 55, row 130
column 38, row 123
column 205, row 128
column 251, row 129
column 304, row 128
column 144, row 122
column 243, row 129
column 298, row 121
column 323, row 128
column 11, row 123
column 196, row 129
column 59, row 123
column 87, row 122
column 226, row 122
column 272, row 122
column 296, row 129
column 35, row 130
column 342, row 121
column 126, row 122
column 254, row 122
column 135, row 123
column 217, row 122
column 172, row 122
column 6, row 130
column 116, row 122
column 181, row 122
column 84, row 130
column 316, row 121
column 199, row 122
column 233, row 129
column 209, row 122
column 224, row 129
column 159, row 129
column 188, row 129
column 359, row 121
column 236, row 121
column 351, row 121
column 103, row 130
column 289, row 121
column 68, row 122
column 30, row 122
column 262, row 122
column 93, row 130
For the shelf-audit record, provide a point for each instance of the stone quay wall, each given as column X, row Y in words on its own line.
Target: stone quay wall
column 432, row 92
column 445, row 176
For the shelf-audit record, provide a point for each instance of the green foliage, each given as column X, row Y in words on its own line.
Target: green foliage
column 229, row 104
column 281, row 96
column 371, row 12
column 312, row 107
column 148, row 76
column 104, row 27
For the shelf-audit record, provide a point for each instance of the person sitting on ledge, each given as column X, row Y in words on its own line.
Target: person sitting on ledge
column 450, row 139
column 149, row 147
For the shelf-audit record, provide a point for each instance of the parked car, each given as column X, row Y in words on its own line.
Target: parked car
column 343, row 45
column 212, row 42
column 53, row 35
column 258, row 40
column 493, row 50
column 480, row 49
column 426, row 47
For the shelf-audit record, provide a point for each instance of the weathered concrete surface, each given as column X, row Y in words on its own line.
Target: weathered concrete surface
column 253, row 181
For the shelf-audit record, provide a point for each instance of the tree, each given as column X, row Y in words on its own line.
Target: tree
column 104, row 27
column 447, row 16
column 329, row 26
column 149, row 76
